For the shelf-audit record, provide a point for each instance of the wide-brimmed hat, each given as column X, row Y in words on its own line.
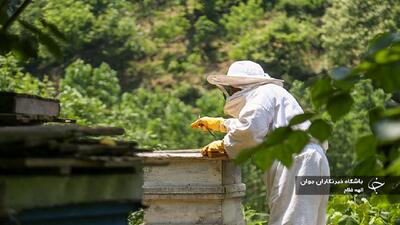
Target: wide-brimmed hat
column 243, row 73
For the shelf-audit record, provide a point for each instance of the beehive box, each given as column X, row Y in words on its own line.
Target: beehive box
column 14, row 103
column 183, row 187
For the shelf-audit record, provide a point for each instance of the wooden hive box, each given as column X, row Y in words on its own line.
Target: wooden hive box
column 183, row 187
column 14, row 103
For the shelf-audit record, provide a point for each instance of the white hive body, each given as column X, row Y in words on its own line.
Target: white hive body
column 183, row 187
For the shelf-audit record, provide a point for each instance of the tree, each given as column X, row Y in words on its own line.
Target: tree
column 350, row 25
column 14, row 79
column 24, row 44
column 284, row 46
column 101, row 82
column 97, row 31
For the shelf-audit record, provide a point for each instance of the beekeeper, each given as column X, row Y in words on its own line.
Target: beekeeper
column 257, row 105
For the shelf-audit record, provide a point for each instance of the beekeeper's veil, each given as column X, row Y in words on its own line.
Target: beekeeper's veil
column 245, row 75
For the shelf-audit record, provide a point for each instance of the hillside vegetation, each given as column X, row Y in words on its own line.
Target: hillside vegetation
column 141, row 65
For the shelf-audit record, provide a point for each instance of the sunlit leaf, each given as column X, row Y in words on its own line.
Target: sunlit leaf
column 245, row 155
column 382, row 41
column 283, row 151
column 264, row 158
column 297, row 140
column 320, row 91
column 366, row 146
column 275, row 137
column 320, row 129
column 339, row 105
column 392, row 112
column 301, row 118
column 348, row 220
column 345, row 85
column 386, row 56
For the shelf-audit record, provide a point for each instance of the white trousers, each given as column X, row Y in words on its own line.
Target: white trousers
column 287, row 208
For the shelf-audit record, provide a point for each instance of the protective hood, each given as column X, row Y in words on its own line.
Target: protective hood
column 235, row 103
column 243, row 74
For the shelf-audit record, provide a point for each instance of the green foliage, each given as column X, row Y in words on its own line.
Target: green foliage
column 298, row 119
column 87, row 110
column 302, row 6
column 253, row 217
column 350, row 25
column 358, row 210
column 24, row 44
column 156, row 119
column 320, row 129
column 242, row 18
column 12, row 78
column 339, row 105
column 204, row 28
column 381, row 63
column 136, row 218
column 171, row 29
column 279, row 144
column 255, row 197
column 101, row 82
column 283, row 45
column 335, row 96
column 96, row 31
column 211, row 103
column 345, row 131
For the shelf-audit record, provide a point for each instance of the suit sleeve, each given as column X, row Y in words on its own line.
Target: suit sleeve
column 249, row 129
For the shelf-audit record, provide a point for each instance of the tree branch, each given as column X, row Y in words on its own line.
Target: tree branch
column 16, row 14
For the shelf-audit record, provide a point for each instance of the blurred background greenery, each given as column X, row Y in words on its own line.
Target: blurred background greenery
column 141, row 65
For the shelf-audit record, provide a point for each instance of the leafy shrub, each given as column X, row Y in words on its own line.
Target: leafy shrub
column 155, row 118
column 86, row 110
column 96, row 31
column 101, row 82
column 12, row 78
column 256, row 195
column 252, row 217
column 295, row 7
column 347, row 209
column 205, row 29
column 283, row 46
column 171, row 29
column 242, row 18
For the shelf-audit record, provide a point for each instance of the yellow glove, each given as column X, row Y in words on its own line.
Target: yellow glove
column 210, row 123
column 214, row 149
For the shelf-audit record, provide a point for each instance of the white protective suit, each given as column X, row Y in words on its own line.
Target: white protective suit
column 256, row 110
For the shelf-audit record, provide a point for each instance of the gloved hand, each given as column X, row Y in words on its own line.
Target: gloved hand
column 210, row 123
column 214, row 149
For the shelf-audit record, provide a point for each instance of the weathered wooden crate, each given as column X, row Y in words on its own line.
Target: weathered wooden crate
column 183, row 187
